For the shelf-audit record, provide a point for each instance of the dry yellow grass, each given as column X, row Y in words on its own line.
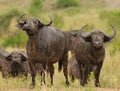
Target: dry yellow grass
column 110, row 74
column 109, row 78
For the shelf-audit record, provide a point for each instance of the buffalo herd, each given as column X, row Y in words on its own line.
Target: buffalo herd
column 47, row 45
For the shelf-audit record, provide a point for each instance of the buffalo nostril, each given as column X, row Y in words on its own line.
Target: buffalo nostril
column 99, row 43
column 27, row 26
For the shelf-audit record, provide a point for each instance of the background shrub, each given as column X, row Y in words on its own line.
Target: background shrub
column 112, row 17
column 19, row 40
column 35, row 7
column 58, row 20
column 66, row 3
column 6, row 17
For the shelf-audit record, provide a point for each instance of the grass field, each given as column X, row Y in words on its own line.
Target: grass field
column 67, row 19
column 109, row 78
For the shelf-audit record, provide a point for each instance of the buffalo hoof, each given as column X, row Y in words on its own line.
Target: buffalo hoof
column 82, row 83
column 67, row 83
column 31, row 86
column 97, row 84
column 42, row 84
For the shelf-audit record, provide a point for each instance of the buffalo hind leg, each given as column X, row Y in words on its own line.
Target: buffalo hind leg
column 65, row 64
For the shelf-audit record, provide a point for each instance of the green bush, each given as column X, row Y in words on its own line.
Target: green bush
column 112, row 17
column 72, row 11
column 19, row 40
column 35, row 7
column 6, row 17
column 66, row 3
column 58, row 21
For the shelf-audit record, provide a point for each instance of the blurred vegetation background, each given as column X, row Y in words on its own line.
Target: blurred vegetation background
column 66, row 14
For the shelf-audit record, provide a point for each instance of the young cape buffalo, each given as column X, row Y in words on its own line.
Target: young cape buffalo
column 46, row 45
column 89, row 51
column 18, row 63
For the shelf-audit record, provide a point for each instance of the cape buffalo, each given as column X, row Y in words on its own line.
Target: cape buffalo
column 18, row 63
column 89, row 51
column 69, row 37
column 46, row 45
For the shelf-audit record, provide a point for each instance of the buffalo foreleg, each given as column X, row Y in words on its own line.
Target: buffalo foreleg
column 97, row 74
column 33, row 73
column 51, row 70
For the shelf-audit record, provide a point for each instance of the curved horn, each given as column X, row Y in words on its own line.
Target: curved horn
column 49, row 22
column 83, row 34
column 114, row 34
column 19, row 19
column 84, row 27
column 44, row 23
column 109, row 37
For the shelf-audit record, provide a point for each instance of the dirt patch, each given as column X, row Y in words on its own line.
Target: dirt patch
column 107, row 89
column 96, row 89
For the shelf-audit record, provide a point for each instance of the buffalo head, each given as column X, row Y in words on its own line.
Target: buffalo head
column 32, row 24
column 97, row 38
column 16, row 60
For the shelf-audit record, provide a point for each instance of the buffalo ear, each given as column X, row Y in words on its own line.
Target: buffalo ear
column 20, row 26
column 87, row 39
column 74, row 34
column 8, row 58
column 40, row 24
column 24, row 59
column 106, row 39
column 86, row 36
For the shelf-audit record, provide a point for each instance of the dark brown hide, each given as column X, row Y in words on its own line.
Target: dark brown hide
column 69, row 36
column 89, row 51
column 73, row 68
column 3, row 63
column 18, row 63
column 46, row 45
column 3, row 66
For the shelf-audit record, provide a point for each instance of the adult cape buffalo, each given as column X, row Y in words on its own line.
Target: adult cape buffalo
column 90, row 52
column 46, row 45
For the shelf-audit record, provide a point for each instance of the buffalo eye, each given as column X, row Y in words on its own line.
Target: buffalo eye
column 23, row 58
column 8, row 58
